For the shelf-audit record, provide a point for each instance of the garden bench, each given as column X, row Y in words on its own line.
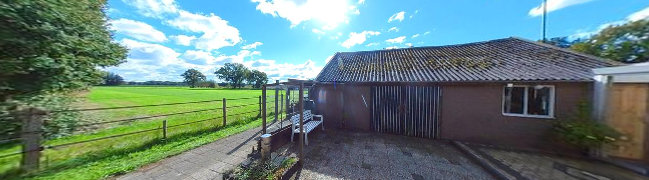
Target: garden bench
column 309, row 124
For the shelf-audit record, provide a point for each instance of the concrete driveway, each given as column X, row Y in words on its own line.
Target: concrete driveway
column 352, row 155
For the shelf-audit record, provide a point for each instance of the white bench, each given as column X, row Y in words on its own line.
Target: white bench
column 309, row 124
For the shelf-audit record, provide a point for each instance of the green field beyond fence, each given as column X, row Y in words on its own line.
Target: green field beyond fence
column 192, row 125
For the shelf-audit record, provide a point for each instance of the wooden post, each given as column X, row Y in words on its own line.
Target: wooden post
column 301, row 107
column 276, row 96
column 225, row 112
column 164, row 129
column 32, row 123
column 288, row 100
column 263, row 109
column 282, row 105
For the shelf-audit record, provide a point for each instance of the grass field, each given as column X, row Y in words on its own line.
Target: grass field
column 103, row 158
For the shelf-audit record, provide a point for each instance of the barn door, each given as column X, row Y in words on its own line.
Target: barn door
column 406, row 110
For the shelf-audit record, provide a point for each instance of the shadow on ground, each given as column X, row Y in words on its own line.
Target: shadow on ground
column 339, row 154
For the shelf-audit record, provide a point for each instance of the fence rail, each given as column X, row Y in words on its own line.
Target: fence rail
column 31, row 135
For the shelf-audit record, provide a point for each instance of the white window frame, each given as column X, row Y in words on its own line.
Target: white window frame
column 525, row 100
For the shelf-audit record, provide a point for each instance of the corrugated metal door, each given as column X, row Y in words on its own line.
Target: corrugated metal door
column 406, row 110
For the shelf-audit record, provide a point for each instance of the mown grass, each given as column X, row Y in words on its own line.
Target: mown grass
column 99, row 159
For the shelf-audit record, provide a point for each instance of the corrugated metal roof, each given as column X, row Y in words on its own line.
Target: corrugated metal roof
column 510, row 59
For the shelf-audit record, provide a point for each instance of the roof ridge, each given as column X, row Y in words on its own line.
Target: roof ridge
column 441, row 46
column 612, row 62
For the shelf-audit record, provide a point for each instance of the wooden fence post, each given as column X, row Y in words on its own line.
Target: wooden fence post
column 282, row 106
column 301, row 111
column 263, row 105
column 225, row 112
column 276, row 96
column 288, row 100
column 164, row 129
column 32, row 123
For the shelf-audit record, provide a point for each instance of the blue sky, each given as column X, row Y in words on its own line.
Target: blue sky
column 295, row 39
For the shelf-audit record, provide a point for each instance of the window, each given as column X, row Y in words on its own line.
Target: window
column 529, row 101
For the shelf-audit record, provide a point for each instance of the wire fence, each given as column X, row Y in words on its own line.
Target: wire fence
column 42, row 147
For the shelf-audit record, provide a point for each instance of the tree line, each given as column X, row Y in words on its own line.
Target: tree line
column 627, row 43
column 232, row 73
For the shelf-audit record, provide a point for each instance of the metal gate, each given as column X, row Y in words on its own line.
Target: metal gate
column 406, row 110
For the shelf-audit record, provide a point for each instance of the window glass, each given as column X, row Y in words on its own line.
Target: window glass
column 514, row 100
column 538, row 100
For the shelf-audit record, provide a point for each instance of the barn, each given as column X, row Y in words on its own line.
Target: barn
column 505, row 92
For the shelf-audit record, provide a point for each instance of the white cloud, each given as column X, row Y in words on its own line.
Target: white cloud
column 426, row 33
column 328, row 59
column 358, row 38
column 397, row 16
column 371, row 44
column 554, row 5
column 153, row 8
column 216, row 31
column 148, row 61
column 639, row 15
column 183, row 39
column 306, row 70
column 329, row 13
column 414, row 36
column 395, row 29
column 412, row 15
column 408, row 44
column 317, row 31
column 199, row 57
column 148, row 53
column 252, row 46
column 138, row 30
column 399, row 39
column 361, row 1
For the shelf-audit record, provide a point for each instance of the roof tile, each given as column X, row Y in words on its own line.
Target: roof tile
column 510, row 59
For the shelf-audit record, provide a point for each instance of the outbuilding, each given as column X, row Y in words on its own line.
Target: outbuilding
column 504, row 92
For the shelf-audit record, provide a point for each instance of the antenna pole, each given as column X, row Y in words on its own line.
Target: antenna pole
column 545, row 14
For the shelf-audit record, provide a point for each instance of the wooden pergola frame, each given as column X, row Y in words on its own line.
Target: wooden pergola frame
column 291, row 83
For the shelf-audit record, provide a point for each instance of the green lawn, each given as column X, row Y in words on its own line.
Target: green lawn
column 100, row 159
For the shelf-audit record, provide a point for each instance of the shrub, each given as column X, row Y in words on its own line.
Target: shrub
column 583, row 132
column 56, row 124
column 259, row 170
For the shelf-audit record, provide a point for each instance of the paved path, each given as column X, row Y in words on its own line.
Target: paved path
column 209, row 161
column 357, row 155
column 526, row 165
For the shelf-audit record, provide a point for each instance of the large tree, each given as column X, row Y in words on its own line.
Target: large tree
column 627, row 43
column 112, row 79
column 233, row 73
column 257, row 78
column 50, row 46
column 193, row 77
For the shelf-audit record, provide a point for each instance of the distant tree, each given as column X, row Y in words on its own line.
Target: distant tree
column 206, row 84
column 112, row 79
column 50, row 46
column 563, row 42
column 233, row 73
column 257, row 78
column 192, row 77
column 157, row 83
column 627, row 43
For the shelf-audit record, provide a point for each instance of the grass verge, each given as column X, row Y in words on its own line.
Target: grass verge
column 114, row 162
